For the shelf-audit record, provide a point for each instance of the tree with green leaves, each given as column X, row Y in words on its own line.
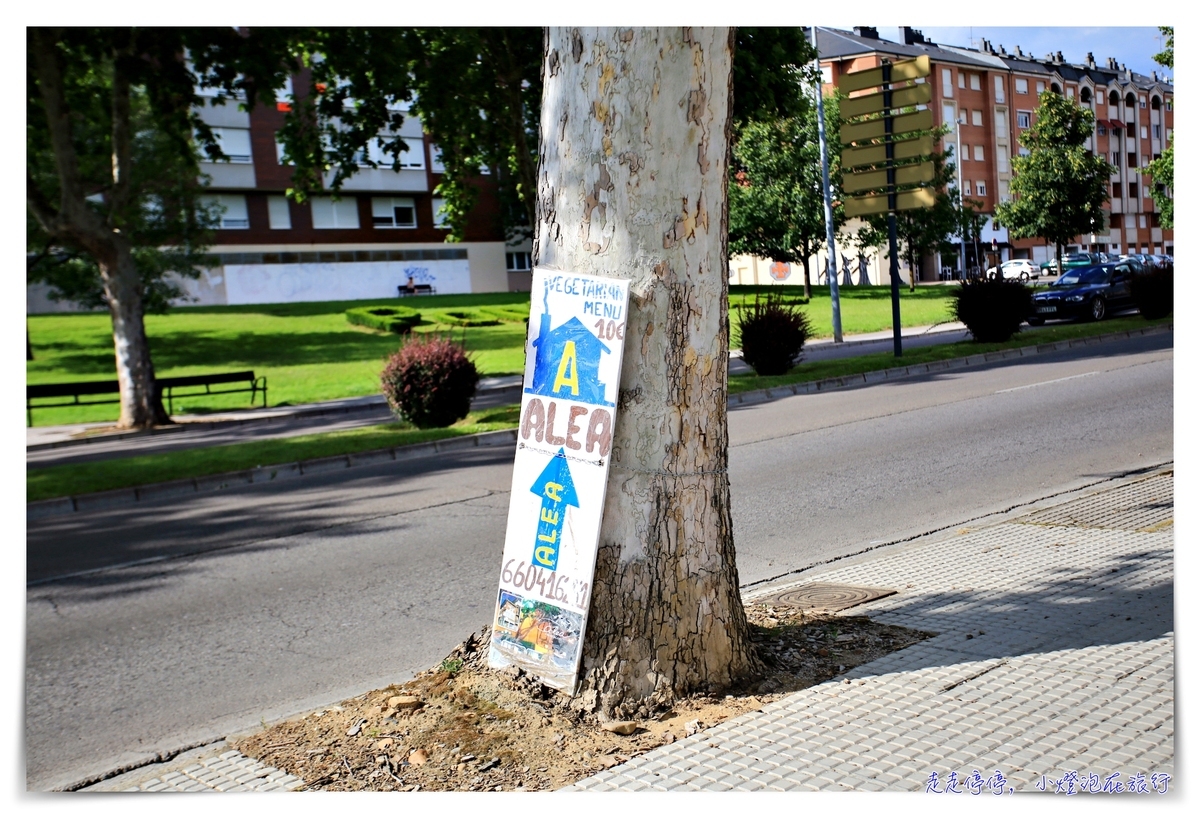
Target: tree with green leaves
column 1060, row 188
column 1162, row 169
column 776, row 204
column 920, row 232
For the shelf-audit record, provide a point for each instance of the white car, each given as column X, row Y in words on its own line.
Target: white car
column 1018, row 268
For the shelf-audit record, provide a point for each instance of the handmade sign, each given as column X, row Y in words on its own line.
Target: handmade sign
column 568, row 410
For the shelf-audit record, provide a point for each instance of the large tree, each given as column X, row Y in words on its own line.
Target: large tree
column 632, row 183
column 1060, row 188
column 1162, row 169
column 776, row 204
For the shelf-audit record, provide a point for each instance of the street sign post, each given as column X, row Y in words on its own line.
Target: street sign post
column 876, row 162
column 568, row 411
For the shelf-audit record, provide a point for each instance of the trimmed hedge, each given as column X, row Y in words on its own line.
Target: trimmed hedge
column 773, row 331
column 429, row 382
column 463, row 317
column 992, row 308
column 399, row 320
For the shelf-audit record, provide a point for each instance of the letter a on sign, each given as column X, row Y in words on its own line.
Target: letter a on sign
column 559, row 477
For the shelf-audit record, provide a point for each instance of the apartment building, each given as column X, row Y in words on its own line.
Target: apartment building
column 380, row 231
column 988, row 96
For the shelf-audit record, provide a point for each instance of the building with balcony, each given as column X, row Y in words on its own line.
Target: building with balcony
column 382, row 229
column 987, row 96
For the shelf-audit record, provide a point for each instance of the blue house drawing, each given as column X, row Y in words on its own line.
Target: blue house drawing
column 567, row 362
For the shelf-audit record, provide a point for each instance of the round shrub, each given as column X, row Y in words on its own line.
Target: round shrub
column 429, row 382
column 992, row 308
column 1154, row 293
column 773, row 334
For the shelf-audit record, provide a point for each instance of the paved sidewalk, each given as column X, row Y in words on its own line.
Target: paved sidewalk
column 1053, row 663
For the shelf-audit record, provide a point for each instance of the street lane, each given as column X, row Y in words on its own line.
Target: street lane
column 300, row 593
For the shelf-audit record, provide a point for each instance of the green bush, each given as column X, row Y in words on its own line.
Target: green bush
column 463, row 317
column 399, row 320
column 429, row 382
column 1154, row 293
column 773, row 332
column 992, row 308
column 515, row 315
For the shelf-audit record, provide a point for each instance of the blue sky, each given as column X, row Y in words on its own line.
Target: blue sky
column 1135, row 45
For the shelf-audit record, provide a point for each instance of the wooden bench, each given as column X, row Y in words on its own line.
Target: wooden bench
column 166, row 387
column 418, row 289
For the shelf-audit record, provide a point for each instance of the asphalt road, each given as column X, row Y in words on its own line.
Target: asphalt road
column 268, row 600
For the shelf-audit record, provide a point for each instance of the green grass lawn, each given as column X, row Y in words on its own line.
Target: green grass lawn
column 126, row 472
column 310, row 352
column 58, row 481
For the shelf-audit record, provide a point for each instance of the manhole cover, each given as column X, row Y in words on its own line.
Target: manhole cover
column 827, row 596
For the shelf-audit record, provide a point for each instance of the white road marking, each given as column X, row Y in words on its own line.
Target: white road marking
column 1043, row 383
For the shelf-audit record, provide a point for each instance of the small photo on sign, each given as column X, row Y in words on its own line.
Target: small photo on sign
column 536, row 633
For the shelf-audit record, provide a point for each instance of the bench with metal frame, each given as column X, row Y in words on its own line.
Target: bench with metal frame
column 418, row 289
column 166, row 388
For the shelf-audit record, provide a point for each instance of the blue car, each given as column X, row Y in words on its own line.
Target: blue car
column 1086, row 292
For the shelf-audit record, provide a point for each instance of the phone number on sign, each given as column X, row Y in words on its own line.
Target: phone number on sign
column 550, row 584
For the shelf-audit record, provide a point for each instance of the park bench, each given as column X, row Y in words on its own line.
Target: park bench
column 166, row 388
column 418, row 289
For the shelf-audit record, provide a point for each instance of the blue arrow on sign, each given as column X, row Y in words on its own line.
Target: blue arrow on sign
column 557, row 490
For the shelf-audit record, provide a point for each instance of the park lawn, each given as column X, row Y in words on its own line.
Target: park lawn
column 127, row 472
column 309, row 352
column 837, row 368
column 58, row 481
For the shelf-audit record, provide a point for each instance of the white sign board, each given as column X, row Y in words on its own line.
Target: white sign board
column 568, row 410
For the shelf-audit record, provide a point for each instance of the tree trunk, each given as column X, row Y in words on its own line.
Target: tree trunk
column 141, row 405
column 632, row 183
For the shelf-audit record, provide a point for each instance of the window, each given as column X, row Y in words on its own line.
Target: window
column 1141, row 220
column 328, row 214
column 979, row 153
column 977, row 118
column 1023, row 119
column 283, row 96
column 389, row 212
column 439, row 218
column 999, row 88
column 1145, row 161
column 947, row 112
column 1101, row 129
column 966, row 153
column 827, row 74
column 1002, row 159
column 1130, row 130
column 1002, row 123
column 517, row 262
column 1022, row 86
column 279, row 213
column 980, row 189
column 1004, row 196
column 1170, row 105
column 974, row 82
column 1132, row 157
column 947, row 83
column 1142, row 100
column 435, row 159
column 1041, row 86
column 967, row 187
column 1022, row 151
column 1156, row 130
column 964, row 117
column 1144, row 134
column 1116, row 190
column 1133, row 190
column 1114, row 219
column 280, row 152
column 234, row 216
column 235, row 143
column 962, row 80
column 1116, row 158
column 412, row 158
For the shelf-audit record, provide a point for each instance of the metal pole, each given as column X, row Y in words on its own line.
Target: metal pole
column 893, row 252
column 827, row 195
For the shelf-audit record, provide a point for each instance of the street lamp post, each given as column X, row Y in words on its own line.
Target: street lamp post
column 962, row 230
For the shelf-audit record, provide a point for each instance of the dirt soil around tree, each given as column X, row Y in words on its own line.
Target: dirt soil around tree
column 462, row 726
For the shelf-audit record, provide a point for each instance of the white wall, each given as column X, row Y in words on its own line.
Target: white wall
column 339, row 281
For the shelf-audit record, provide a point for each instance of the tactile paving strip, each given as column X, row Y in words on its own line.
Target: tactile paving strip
column 1147, row 505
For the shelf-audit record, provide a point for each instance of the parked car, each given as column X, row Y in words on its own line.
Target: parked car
column 1070, row 261
column 1163, row 262
column 1147, row 261
column 1019, row 268
column 1085, row 292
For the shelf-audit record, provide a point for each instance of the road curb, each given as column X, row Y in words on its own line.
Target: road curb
column 55, row 506
column 827, row 384
column 116, row 498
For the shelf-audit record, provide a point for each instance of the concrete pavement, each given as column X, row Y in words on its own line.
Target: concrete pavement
column 1052, row 671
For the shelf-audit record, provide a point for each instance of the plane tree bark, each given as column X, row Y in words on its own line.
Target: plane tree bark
column 632, row 183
